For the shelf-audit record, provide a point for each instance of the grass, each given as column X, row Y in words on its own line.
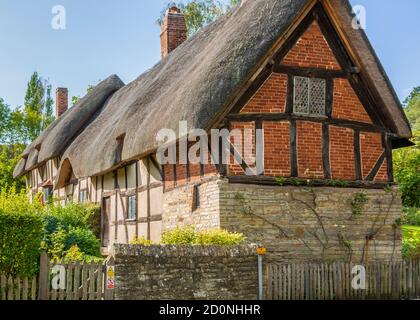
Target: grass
column 409, row 230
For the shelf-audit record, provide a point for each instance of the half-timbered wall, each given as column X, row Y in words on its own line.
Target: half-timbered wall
column 345, row 142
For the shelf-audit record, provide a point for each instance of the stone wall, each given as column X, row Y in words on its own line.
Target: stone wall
column 315, row 224
column 185, row 272
column 179, row 209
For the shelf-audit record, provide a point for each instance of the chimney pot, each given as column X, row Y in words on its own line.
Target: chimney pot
column 174, row 31
column 62, row 101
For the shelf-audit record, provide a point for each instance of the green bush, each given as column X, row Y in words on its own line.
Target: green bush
column 411, row 216
column 411, row 242
column 141, row 241
column 407, row 168
column 73, row 224
column 61, row 241
column 21, row 229
column 189, row 236
column 72, row 215
column 74, row 254
column 84, row 239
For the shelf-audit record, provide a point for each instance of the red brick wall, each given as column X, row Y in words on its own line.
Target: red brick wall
column 309, row 150
column 342, row 153
column 182, row 177
column 346, row 103
column 271, row 97
column 277, row 148
column 371, row 150
column 312, row 51
column 236, row 169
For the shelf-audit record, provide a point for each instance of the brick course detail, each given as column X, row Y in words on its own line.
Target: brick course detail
column 271, row 97
column 346, row 103
column 277, row 148
column 342, row 153
column 312, row 51
column 309, row 145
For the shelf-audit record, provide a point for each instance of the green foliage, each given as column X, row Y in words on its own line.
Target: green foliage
column 411, row 216
column 189, row 236
column 199, row 13
column 141, row 241
column 76, row 215
column 296, row 182
column 358, row 202
column 21, row 230
column 84, row 239
column 74, row 254
column 280, row 181
column 338, row 183
column 27, row 122
column 411, row 242
column 9, row 158
column 407, row 172
column 74, row 224
column 412, row 108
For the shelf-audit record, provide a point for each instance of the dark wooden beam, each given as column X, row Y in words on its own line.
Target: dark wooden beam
column 326, row 151
column 355, row 125
column 293, row 149
column 360, row 87
column 373, row 173
column 272, row 181
column 309, row 72
column 329, row 98
column 357, row 156
column 389, row 159
column 290, row 93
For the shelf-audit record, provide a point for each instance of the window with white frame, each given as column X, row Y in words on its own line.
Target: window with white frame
column 131, row 207
column 309, row 96
column 82, row 196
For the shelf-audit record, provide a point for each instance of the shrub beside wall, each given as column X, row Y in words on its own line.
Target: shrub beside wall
column 21, row 230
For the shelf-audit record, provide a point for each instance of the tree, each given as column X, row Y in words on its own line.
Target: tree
column 4, row 121
column 9, row 158
column 407, row 160
column 199, row 13
column 27, row 122
column 412, row 108
column 76, row 99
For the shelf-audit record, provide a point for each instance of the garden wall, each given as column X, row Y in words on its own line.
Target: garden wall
column 319, row 224
column 185, row 272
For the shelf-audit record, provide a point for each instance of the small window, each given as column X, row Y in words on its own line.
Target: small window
column 309, row 96
column 132, row 207
column 47, row 194
column 196, row 197
column 82, row 196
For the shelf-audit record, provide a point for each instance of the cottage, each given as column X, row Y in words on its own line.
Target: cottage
column 295, row 73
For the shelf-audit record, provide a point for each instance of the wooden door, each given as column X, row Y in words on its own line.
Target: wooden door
column 106, row 212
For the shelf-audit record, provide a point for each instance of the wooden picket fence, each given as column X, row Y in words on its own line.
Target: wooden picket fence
column 17, row 288
column 392, row 280
column 81, row 281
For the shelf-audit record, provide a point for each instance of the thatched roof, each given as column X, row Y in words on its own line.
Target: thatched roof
column 195, row 83
column 61, row 133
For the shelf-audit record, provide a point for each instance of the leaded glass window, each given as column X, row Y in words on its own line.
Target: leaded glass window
column 309, row 96
column 132, row 208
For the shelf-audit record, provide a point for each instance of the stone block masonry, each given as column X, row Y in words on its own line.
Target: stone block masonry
column 185, row 272
column 315, row 224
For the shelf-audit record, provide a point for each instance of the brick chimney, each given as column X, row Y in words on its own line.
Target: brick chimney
column 174, row 31
column 61, row 102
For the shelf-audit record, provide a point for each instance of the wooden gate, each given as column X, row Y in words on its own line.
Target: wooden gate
column 384, row 280
column 61, row 281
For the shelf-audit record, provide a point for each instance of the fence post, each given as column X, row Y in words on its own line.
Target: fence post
column 43, row 281
column 109, row 278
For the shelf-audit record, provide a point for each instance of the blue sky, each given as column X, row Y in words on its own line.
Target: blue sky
column 105, row 37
